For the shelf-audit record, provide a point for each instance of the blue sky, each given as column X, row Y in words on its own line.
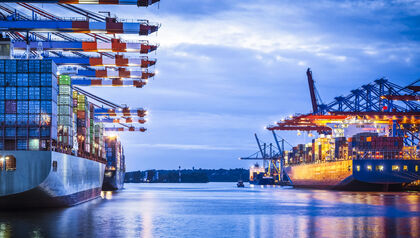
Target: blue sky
column 228, row 68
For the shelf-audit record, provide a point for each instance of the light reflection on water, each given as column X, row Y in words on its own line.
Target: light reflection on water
column 222, row 210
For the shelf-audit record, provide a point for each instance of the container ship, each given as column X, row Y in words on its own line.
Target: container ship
column 115, row 165
column 49, row 156
column 368, row 140
column 365, row 161
column 258, row 176
column 55, row 148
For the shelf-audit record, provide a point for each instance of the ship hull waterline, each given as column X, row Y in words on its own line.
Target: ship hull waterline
column 49, row 179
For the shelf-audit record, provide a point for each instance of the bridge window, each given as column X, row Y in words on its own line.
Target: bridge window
column 369, row 167
column 395, row 168
column 358, row 168
column 10, row 163
column 380, row 168
column 417, row 168
column 405, row 168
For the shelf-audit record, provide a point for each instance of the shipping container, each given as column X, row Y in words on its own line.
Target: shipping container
column 28, row 96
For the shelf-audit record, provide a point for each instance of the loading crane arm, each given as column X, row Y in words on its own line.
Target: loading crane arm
column 259, row 146
column 312, row 90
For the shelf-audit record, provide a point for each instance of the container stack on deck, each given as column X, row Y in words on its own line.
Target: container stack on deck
column 114, row 153
column 39, row 112
column 361, row 145
column 65, row 113
column 28, row 104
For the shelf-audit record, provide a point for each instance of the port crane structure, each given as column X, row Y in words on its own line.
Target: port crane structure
column 88, row 50
column 272, row 157
column 140, row 3
column 381, row 102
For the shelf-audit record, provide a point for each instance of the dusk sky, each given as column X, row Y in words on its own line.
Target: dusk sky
column 229, row 68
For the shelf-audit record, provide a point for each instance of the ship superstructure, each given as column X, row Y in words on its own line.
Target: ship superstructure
column 54, row 135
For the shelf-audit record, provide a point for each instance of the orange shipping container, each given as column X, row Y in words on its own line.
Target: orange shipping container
column 81, row 114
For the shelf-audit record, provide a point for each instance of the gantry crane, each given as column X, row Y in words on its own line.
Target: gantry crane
column 273, row 159
column 96, row 60
column 140, row 3
column 120, row 71
column 111, row 113
column 374, row 101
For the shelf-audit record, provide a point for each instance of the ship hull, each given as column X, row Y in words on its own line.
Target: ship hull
column 49, row 179
column 358, row 175
column 113, row 180
column 262, row 181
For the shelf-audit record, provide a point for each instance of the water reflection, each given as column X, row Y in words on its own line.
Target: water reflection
column 106, row 195
column 221, row 210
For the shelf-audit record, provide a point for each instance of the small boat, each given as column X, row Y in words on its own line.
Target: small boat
column 240, row 184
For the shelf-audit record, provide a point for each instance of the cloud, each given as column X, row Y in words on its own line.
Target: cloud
column 246, row 26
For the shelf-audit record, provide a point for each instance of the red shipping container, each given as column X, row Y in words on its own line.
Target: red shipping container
column 81, row 114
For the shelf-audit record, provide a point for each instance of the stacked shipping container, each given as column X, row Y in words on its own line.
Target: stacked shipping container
column 99, row 140
column 39, row 112
column 370, row 145
column 89, row 134
column 65, row 112
column 324, row 148
column 28, row 104
column 364, row 145
column 82, row 122
column 114, row 154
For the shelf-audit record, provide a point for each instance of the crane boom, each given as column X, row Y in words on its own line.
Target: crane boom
column 312, row 90
column 259, row 145
column 139, row 3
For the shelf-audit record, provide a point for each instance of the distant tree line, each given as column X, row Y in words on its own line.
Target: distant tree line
column 187, row 176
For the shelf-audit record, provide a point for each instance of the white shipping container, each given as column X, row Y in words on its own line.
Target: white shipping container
column 64, row 100
column 64, row 90
column 64, row 120
column 65, row 110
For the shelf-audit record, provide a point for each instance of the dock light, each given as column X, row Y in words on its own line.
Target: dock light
column 108, row 195
column 1, row 159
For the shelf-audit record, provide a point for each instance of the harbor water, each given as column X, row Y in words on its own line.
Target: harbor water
column 223, row 210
